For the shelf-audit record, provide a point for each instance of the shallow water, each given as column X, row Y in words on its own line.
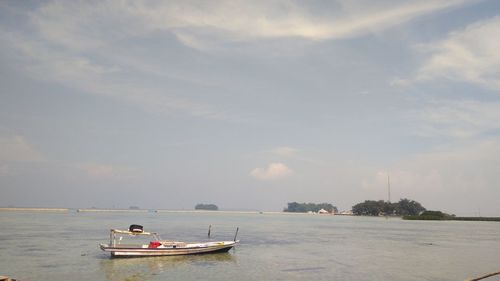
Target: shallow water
column 64, row 246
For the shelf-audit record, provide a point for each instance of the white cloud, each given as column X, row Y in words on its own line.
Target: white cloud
column 206, row 26
column 469, row 55
column 98, row 171
column 201, row 24
column 285, row 151
column 17, row 149
column 459, row 119
column 272, row 172
column 399, row 82
column 75, row 43
column 71, row 69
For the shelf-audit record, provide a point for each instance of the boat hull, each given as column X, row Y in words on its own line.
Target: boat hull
column 119, row 252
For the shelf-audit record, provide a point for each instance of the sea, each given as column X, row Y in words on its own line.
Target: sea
column 65, row 246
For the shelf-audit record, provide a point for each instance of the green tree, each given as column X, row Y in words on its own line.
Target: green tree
column 389, row 208
column 210, row 207
column 368, row 208
column 295, row 207
column 406, row 207
column 375, row 208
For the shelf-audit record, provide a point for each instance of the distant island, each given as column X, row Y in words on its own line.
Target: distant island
column 404, row 207
column 440, row 216
column 210, row 207
column 294, row 207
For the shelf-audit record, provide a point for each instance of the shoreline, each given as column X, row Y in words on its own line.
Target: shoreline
column 23, row 209
column 112, row 210
column 95, row 210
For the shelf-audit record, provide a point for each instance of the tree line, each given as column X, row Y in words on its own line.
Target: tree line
column 211, row 207
column 438, row 215
column 404, row 207
column 295, row 207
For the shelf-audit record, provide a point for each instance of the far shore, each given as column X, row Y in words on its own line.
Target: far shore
column 188, row 211
column 201, row 211
column 113, row 210
column 14, row 209
column 97, row 210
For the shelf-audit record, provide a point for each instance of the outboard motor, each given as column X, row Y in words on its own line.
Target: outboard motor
column 135, row 228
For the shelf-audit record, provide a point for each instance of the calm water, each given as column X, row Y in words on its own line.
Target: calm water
column 64, row 246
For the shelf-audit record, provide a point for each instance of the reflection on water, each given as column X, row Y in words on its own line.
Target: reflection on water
column 131, row 269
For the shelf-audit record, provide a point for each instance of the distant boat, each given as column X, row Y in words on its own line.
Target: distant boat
column 158, row 247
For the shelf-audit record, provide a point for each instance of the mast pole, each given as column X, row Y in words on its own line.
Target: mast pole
column 388, row 188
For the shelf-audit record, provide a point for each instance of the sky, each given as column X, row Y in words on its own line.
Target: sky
column 250, row 104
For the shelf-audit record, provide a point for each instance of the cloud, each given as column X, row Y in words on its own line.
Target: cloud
column 458, row 178
column 459, row 119
column 17, row 149
column 272, row 172
column 399, row 82
column 211, row 25
column 16, row 154
column 74, row 44
column 68, row 68
column 204, row 24
column 97, row 171
column 293, row 154
column 285, row 151
column 469, row 55
column 84, row 45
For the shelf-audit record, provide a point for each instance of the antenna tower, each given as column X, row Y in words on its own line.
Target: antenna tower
column 388, row 188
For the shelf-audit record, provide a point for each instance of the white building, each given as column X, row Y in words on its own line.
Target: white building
column 323, row 211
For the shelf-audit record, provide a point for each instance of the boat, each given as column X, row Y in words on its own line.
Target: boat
column 159, row 247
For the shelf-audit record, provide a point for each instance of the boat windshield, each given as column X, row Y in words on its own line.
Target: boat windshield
column 123, row 237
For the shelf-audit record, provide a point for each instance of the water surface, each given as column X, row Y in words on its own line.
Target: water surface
column 64, row 246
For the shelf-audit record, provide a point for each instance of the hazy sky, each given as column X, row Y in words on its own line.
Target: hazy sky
column 250, row 104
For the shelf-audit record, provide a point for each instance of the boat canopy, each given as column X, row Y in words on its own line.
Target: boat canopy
column 133, row 232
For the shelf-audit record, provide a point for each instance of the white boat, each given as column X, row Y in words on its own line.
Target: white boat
column 158, row 247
